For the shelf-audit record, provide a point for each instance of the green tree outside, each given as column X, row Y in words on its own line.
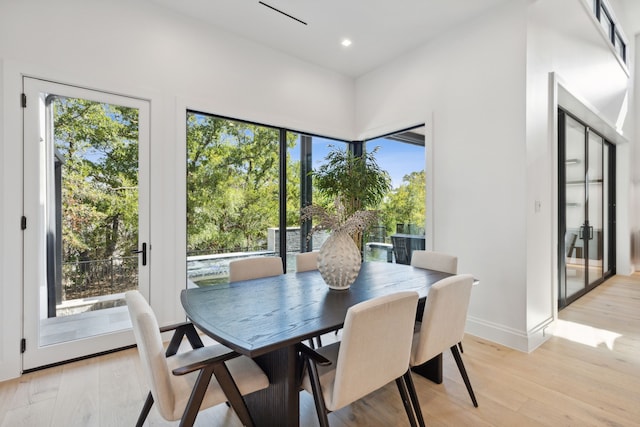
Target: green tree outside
column 97, row 146
column 406, row 204
column 233, row 184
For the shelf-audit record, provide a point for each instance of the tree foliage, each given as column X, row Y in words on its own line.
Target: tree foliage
column 406, row 204
column 97, row 146
column 233, row 183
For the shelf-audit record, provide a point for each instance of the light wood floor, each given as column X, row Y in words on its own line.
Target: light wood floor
column 586, row 375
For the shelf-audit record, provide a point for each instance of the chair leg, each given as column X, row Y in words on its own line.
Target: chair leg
column 408, row 379
column 180, row 332
column 318, row 398
column 197, row 394
column 460, row 347
column 230, row 389
column 463, row 372
column 406, row 401
column 145, row 410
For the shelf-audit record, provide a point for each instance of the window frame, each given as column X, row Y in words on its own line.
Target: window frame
column 283, row 178
column 306, row 188
column 603, row 11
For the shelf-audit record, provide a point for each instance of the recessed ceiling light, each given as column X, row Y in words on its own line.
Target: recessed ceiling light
column 346, row 43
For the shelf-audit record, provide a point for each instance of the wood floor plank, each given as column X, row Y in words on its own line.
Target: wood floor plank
column 77, row 403
column 119, row 391
column 35, row 414
column 7, row 393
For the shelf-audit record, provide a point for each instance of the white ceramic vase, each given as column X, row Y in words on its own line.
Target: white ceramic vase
column 339, row 261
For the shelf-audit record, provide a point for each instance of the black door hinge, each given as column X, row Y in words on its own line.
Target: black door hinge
column 24, row 100
column 23, row 345
column 23, row 223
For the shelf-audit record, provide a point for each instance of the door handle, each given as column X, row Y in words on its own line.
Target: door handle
column 581, row 232
column 142, row 251
column 590, row 232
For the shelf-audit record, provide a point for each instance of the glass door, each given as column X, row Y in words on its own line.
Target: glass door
column 585, row 232
column 575, row 197
column 86, row 215
column 594, row 227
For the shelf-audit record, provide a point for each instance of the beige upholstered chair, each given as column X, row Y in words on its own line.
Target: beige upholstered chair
column 374, row 351
column 183, row 384
column 442, row 328
column 438, row 261
column 306, row 261
column 435, row 261
column 254, row 268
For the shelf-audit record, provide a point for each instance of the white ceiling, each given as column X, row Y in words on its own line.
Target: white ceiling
column 379, row 29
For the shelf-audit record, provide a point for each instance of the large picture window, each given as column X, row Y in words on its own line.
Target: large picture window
column 403, row 210
column 233, row 194
column 246, row 184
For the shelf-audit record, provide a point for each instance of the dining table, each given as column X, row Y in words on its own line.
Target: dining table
column 267, row 318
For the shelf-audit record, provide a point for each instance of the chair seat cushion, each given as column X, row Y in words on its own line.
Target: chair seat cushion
column 247, row 375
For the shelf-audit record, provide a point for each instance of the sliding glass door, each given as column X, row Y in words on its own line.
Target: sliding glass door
column 586, row 178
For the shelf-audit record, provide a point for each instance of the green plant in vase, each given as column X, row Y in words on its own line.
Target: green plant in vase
column 358, row 181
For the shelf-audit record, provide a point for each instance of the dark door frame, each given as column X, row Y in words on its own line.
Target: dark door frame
column 609, row 269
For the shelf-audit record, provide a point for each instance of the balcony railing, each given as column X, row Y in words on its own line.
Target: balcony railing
column 94, row 278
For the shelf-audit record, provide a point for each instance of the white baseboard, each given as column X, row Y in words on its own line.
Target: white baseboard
column 509, row 337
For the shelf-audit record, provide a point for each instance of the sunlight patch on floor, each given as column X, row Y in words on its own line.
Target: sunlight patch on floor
column 585, row 334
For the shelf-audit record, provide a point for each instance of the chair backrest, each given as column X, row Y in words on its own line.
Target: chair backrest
column 435, row 261
column 306, row 261
column 375, row 346
column 445, row 315
column 254, row 268
column 400, row 249
column 152, row 352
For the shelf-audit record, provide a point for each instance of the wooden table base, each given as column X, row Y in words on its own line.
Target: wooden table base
column 277, row 405
column 431, row 370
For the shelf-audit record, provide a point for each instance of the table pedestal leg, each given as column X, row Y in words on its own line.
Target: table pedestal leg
column 431, row 369
column 279, row 404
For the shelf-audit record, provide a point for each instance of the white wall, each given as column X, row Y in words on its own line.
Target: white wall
column 628, row 12
column 484, row 88
column 469, row 88
column 149, row 48
column 143, row 50
column 10, row 288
